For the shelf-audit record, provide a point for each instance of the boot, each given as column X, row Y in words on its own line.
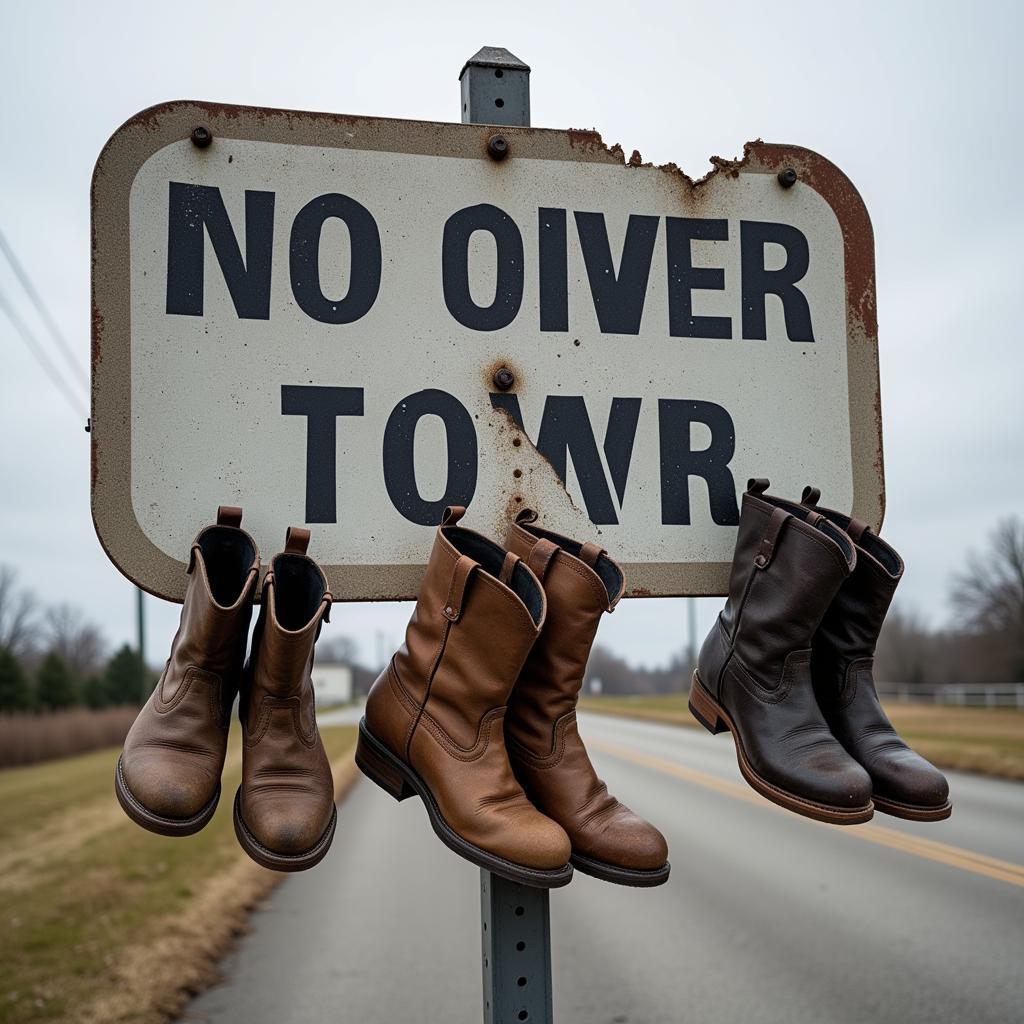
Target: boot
column 434, row 719
column 903, row 782
column 168, row 776
column 284, row 809
column 754, row 670
column 580, row 582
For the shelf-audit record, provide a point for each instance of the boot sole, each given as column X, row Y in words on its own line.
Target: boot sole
column 268, row 858
column 912, row 812
column 637, row 877
column 153, row 822
column 715, row 719
column 398, row 780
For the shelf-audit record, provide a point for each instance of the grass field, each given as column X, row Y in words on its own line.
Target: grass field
column 990, row 742
column 101, row 921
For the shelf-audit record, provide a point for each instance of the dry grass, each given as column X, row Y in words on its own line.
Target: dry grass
column 30, row 738
column 101, row 921
column 989, row 742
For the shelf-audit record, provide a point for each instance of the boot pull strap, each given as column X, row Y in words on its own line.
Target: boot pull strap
column 771, row 538
column 452, row 514
column 590, row 553
column 508, row 567
column 857, row 529
column 457, row 588
column 296, row 540
column 539, row 558
column 229, row 515
column 758, row 485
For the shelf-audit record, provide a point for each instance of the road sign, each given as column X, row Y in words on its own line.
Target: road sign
column 350, row 322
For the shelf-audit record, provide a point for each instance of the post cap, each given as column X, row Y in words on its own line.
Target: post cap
column 494, row 57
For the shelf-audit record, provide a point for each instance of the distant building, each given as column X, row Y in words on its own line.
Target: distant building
column 332, row 683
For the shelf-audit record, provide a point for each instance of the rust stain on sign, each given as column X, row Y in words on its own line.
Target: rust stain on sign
column 532, row 480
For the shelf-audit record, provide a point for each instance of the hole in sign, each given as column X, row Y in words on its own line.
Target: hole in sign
column 499, row 102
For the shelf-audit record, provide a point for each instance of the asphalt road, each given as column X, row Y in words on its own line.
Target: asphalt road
column 768, row 917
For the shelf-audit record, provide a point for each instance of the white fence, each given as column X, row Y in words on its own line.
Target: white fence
column 975, row 695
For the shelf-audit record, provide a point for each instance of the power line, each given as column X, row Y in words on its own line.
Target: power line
column 32, row 343
column 44, row 313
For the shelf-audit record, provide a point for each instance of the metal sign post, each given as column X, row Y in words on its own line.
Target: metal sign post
column 515, row 920
column 515, row 926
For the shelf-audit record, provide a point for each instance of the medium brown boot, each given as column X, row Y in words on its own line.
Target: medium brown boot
column 903, row 783
column 581, row 582
column 284, row 809
column 434, row 718
column 168, row 777
column 754, row 670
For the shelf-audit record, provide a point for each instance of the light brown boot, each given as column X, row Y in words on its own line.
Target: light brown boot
column 168, row 777
column 581, row 582
column 284, row 809
column 434, row 718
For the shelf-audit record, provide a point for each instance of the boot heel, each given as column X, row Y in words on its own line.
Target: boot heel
column 704, row 709
column 378, row 769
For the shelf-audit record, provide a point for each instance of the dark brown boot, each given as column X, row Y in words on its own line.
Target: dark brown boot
column 754, row 670
column 548, row 757
column 904, row 783
column 168, row 777
column 284, row 809
column 434, row 719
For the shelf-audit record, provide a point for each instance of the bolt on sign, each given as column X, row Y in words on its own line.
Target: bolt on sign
column 351, row 322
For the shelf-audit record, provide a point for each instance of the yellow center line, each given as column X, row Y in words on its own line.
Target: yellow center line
column 929, row 849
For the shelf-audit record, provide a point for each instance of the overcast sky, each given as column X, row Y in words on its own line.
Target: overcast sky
column 919, row 103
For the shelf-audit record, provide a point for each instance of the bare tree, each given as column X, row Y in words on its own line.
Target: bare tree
column 17, row 614
column 78, row 641
column 989, row 594
column 341, row 649
column 905, row 648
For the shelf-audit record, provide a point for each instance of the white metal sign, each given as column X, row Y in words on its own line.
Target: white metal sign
column 349, row 323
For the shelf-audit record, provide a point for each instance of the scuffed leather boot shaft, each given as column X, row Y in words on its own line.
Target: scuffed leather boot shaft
column 904, row 783
column 284, row 811
column 548, row 756
column 434, row 719
column 168, row 777
column 754, row 670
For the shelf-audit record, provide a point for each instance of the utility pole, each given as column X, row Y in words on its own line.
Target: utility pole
column 140, row 626
column 691, row 614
